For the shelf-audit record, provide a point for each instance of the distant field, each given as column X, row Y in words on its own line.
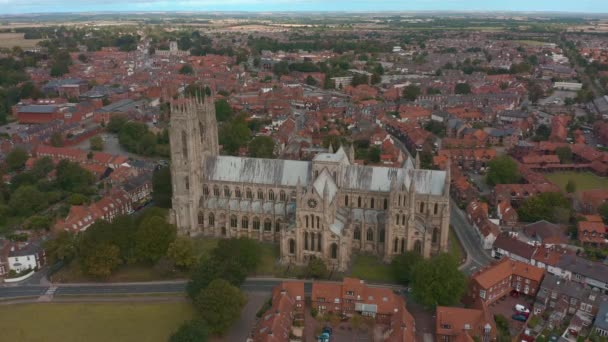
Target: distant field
column 583, row 180
column 9, row 40
column 92, row 322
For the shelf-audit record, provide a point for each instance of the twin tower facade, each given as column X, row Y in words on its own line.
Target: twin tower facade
column 328, row 208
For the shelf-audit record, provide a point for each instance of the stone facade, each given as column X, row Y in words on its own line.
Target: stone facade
column 326, row 208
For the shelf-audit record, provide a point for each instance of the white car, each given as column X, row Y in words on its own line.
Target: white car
column 521, row 308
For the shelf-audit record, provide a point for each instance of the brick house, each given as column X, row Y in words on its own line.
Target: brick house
column 353, row 296
column 285, row 317
column 460, row 324
column 496, row 281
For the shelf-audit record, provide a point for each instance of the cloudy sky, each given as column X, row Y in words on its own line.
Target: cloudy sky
column 29, row 6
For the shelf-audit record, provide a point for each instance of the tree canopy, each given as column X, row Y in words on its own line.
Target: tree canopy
column 462, row 89
column 191, row 331
column 437, row 281
column 403, row 266
column 502, row 170
column 261, row 147
column 220, row 305
column 411, row 92
column 223, row 110
column 162, row 191
column 15, row 159
column 550, row 206
column 153, row 237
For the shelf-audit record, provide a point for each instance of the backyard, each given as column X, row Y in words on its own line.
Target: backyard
column 92, row 321
column 583, row 180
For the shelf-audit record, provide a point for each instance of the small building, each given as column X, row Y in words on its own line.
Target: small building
column 28, row 256
column 459, row 324
column 284, row 318
column 600, row 325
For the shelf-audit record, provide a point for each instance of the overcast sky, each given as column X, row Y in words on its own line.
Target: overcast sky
column 29, row 6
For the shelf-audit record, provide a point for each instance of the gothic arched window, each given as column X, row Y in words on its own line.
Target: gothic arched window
column 319, row 242
column 305, row 241
column 201, row 219
column 334, row 251
column 211, row 220
column 346, row 200
column 357, row 234
column 256, row 223
column 260, row 194
column 282, row 196
column 418, row 247
column 184, row 145
column 216, row 191
column 249, row 193
column 396, row 245
column 245, row 222
column 369, row 235
column 292, row 246
column 233, row 221
column 237, row 192
column 271, row 195
column 267, row 225
column 435, row 238
column 385, row 204
column 205, row 190
column 359, row 202
column 381, row 235
column 436, row 209
column 372, row 203
column 226, row 191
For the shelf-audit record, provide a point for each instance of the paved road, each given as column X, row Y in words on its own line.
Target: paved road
column 477, row 257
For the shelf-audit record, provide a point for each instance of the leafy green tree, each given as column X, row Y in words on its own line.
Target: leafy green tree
column 96, row 143
column 100, row 260
column 281, row 68
column 116, row 123
column 27, row 200
column 181, row 251
column 542, row 133
column 570, row 186
column 62, row 248
column 564, row 153
column 210, row 268
column 15, row 159
column 223, row 111
column 403, row 266
column 39, row 222
column 261, row 147
column 73, row 178
column 359, row 79
column 603, row 211
column 311, row 81
column 234, row 135
column 186, row 69
column 153, row 238
column 316, row 269
column 550, row 206
column 191, row 331
column 411, row 92
column 502, row 170
column 220, row 305
column 438, row 281
column 462, row 89
column 42, row 167
column 162, row 190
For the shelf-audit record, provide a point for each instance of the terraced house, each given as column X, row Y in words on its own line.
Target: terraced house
column 325, row 208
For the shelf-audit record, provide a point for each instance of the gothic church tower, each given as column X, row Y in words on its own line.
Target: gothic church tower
column 193, row 137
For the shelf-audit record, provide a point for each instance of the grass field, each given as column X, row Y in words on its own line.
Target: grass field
column 92, row 322
column 455, row 248
column 371, row 268
column 9, row 40
column 583, row 180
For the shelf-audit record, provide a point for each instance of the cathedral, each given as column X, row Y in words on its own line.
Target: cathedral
column 327, row 208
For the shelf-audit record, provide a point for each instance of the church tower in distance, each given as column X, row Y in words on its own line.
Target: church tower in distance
column 193, row 136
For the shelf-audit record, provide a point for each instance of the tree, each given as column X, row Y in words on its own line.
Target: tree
column 570, row 186
column 261, row 147
column 403, row 266
column 542, row 133
column 39, row 222
column 191, row 331
column 359, row 79
column 502, row 170
column 186, row 69
column 220, row 305
column 223, row 111
column 15, row 159
column 56, row 139
column 603, row 211
column 281, row 68
column 411, row 92
column 96, row 143
column 550, row 206
column 100, row 260
column 311, row 81
column 42, row 167
column 73, row 178
column 153, row 238
column 116, row 123
column 210, row 268
column 316, row 269
column 564, row 154
column 61, row 248
column 181, row 251
column 27, row 200
column 234, row 135
column 162, row 190
column 438, row 281
column 462, row 89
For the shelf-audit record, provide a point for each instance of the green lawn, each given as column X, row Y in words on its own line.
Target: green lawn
column 124, row 273
column 371, row 268
column 92, row 322
column 455, row 249
column 583, row 180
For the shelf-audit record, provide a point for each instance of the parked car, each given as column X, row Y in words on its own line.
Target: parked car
column 521, row 309
column 519, row 317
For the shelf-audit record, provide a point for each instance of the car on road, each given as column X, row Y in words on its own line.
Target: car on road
column 521, row 309
column 519, row 317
